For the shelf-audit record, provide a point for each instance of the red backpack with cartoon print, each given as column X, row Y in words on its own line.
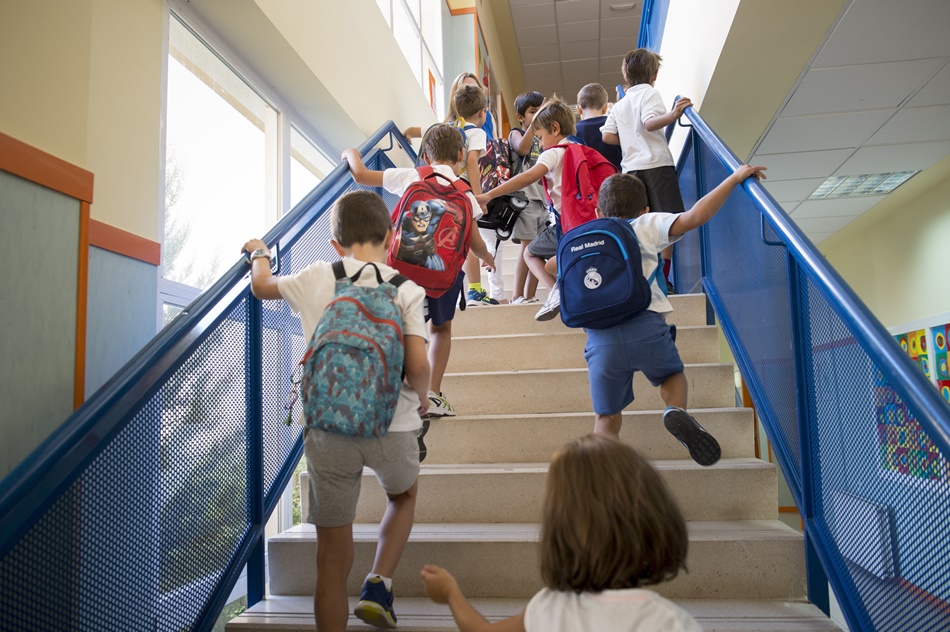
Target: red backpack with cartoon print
column 433, row 231
column 583, row 171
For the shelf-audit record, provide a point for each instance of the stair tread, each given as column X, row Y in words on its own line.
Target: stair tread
column 278, row 612
column 565, row 332
column 569, row 370
column 522, row 468
column 589, row 415
column 699, row 531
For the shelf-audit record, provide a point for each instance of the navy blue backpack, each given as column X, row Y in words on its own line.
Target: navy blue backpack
column 600, row 274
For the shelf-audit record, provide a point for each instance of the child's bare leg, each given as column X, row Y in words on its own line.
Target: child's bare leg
column 674, row 390
column 473, row 271
column 334, row 561
column 608, row 425
column 394, row 530
column 536, row 265
column 440, row 346
column 521, row 274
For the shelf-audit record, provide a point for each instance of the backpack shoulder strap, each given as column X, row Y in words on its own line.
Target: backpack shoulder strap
column 338, row 270
column 398, row 280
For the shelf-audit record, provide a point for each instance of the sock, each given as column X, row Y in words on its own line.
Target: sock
column 387, row 581
column 666, row 268
column 475, row 286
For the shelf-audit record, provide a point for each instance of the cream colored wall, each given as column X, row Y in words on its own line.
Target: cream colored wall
column 81, row 80
column 895, row 256
column 494, row 16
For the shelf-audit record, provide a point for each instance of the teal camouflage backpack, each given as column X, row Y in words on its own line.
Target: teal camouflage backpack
column 353, row 366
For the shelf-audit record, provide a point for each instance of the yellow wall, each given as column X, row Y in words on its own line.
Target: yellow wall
column 895, row 256
column 82, row 81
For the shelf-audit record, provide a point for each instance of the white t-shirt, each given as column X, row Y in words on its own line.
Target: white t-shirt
column 653, row 233
column 398, row 179
column 641, row 149
column 309, row 291
column 553, row 159
column 629, row 610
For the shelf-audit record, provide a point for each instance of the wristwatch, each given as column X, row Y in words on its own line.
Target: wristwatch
column 260, row 253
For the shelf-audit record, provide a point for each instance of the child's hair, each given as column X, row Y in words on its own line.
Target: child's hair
column 452, row 114
column 527, row 100
column 442, row 143
column 469, row 101
column 555, row 111
column 640, row 66
column 610, row 522
column 593, row 96
column 622, row 195
column 360, row 217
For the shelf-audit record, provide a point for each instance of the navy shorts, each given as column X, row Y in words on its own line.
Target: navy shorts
column 663, row 189
column 613, row 355
column 441, row 310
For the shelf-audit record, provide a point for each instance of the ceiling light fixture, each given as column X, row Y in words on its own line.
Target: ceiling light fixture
column 860, row 186
column 623, row 7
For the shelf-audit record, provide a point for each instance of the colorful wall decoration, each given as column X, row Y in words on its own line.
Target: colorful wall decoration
column 905, row 447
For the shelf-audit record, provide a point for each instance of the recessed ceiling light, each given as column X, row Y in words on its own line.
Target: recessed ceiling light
column 861, row 186
column 623, row 7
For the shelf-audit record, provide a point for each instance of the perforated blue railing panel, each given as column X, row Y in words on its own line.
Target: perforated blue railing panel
column 874, row 491
column 144, row 538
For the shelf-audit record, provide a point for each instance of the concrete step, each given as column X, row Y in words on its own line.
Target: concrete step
column 760, row 559
column 568, row 391
column 732, row 489
column 416, row 614
column 534, row 437
column 561, row 349
column 688, row 309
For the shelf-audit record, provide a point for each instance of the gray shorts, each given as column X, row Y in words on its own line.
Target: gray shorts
column 545, row 246
column 335, row 466
column 530, row 222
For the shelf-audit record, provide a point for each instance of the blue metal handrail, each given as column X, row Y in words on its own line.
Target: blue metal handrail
column 789, row 317
column 38, row 484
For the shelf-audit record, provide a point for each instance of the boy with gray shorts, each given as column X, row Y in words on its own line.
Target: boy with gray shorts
column 645, row 342
column 362, row 234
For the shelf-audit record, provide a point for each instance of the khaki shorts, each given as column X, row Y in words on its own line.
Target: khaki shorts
column 335, row 466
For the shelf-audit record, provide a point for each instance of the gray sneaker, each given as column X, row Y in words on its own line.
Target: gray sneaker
column 552, row 306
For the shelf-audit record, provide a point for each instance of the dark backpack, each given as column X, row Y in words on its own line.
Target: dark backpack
column 503, row 212
column 583, row 171
column 600, row 275
column 433, row 230
column 495, row 165
column 353, row 366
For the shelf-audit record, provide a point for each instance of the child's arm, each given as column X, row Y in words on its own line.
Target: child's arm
column 263, row 281
column 517, row 183
column 442, row 588
column 474, row 172
column 610, row 138
column 659, row 122
column 361, row 174
column 416, row 363
column 710, row 203
column 481, row 251
column 523, row 145
column 413, row 132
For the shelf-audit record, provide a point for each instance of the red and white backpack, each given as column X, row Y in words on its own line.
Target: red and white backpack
column 583, row 171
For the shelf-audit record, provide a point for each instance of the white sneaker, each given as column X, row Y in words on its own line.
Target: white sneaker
column 440, row 406
column 552, row 306
column 525, row 301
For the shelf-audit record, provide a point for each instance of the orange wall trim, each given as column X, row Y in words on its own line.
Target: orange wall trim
column 79, row 386
column 44, row 169
column 460, row 7
column 124, row 243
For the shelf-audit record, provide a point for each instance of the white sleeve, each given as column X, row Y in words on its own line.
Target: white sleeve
column 410, row 300
column 657, row 227
column 397, row 180
column 651, row 106
column 610, row 125
column 477, row 140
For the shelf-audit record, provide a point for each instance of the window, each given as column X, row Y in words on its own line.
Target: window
column 417, row 28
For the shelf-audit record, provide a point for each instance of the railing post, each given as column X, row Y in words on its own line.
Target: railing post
column 256, row 571
column 816, row 579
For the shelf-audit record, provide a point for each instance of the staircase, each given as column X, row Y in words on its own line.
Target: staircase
column 521, row 390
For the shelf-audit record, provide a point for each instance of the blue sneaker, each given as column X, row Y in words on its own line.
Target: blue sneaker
column 476, row 298
column 376, row 604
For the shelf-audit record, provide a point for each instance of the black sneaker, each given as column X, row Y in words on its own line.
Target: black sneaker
column 702, row 446
column 422, row 433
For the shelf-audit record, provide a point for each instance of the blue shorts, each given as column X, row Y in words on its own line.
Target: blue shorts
column 613, row 355
column 441, row 310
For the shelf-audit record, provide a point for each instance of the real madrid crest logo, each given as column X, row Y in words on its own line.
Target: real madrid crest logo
column 592, row 279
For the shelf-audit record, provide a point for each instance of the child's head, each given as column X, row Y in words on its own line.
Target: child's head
column 470, row 102
column 622, row 195
column 527, row 100
column 555, row 117
column 640, row 66
column 442, row 144
column 610, row 521
column 360, row 217
column 592, row 99
column 465, row 78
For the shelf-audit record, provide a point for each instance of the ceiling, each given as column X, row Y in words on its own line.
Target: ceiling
column 566, row 44
column 873, row 98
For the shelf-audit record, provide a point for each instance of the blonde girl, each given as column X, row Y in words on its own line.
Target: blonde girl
column 610, row 526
